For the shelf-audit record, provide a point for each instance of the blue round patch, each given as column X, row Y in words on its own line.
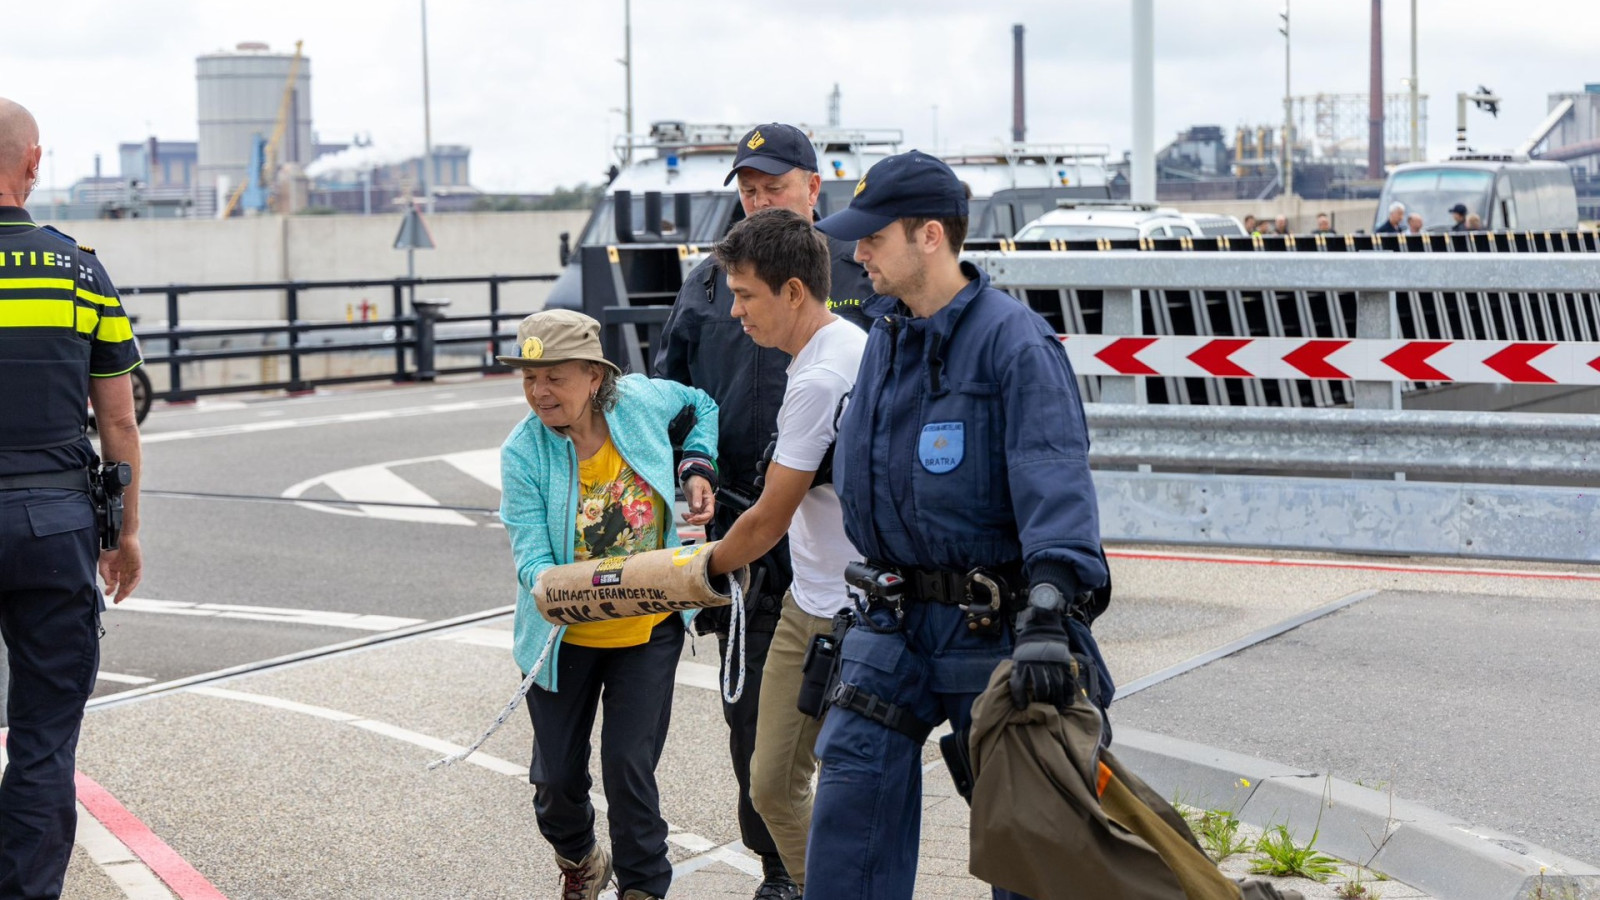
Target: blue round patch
column 942, row 446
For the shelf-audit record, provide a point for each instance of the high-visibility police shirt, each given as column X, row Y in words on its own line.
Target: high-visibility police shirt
column 61, row 323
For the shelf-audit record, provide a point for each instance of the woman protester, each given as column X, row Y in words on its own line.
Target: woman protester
column 589, row 474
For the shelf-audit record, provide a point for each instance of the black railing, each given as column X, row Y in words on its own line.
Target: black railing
column 415, row 330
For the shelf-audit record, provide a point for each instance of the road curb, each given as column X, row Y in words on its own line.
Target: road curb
column 1426, row 849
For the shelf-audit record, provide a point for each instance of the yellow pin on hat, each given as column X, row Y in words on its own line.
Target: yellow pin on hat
column 532, row 348
column 860, row 186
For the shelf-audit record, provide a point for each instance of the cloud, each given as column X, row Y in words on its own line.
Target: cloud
column 531, row 86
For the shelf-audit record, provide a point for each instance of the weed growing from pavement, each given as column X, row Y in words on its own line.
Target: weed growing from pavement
column 1356, row 889
column 1278, row 854
column 1545, row 891
column 1219, row 834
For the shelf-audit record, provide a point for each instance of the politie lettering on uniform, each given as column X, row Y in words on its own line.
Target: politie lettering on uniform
column 66, row 515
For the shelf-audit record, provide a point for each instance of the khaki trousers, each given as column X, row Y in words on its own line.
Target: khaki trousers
column 785, row 759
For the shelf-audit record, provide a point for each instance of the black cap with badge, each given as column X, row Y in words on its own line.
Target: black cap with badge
column 775, row 149
column 908, row 186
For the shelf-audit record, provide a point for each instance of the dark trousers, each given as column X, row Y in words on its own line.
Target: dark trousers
column 49, row 620
column 867, row 820
column 635, row 686
column 741, row 719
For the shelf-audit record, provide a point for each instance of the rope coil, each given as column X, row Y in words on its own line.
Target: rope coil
column 736, row 634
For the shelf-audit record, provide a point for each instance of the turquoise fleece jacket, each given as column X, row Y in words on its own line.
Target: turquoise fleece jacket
column 539, row 490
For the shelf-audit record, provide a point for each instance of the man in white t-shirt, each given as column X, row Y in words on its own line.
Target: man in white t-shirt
column 778, row 270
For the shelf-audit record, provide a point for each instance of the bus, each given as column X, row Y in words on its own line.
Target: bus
column 1508, row 193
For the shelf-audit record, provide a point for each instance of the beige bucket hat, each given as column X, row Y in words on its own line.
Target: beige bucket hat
column 556, row 336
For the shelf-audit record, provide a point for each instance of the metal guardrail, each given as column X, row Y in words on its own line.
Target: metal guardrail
column 1370, row 479
column 1374, row 479
column 416, row 331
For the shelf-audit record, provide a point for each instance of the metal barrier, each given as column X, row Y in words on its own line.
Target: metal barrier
column 1374, row 479
column 1351, row 329
column 417, row 331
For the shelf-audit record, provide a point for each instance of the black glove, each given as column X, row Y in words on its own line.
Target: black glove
column 1042, row 660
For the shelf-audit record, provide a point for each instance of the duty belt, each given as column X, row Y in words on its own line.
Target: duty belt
column 1003, row 586
column 72, row 480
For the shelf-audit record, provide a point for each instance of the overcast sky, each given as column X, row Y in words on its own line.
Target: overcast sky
column 530, row 85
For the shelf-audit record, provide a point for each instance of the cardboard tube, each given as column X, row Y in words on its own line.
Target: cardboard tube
column 617, row 587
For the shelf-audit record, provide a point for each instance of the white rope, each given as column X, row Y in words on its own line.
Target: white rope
column 522, row 691
column 735, row 631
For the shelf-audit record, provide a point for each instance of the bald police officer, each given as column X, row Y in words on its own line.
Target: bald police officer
column 64, row 341
column 703, row 345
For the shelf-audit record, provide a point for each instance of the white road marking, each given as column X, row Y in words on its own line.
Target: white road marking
column 123, row 679
column 483, row 465
column 117, row 861
column 689, row 674
column 337, row 419
column 319, row 618
column 379, row 483
column 120, row 864
column 694, row 843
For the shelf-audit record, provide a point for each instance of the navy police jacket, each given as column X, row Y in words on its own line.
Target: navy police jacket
column 964, row 444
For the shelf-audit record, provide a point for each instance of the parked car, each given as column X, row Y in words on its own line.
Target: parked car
column 143, row 394
column 1079, row 220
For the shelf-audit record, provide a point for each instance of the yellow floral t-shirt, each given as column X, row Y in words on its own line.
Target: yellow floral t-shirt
column 618, row 515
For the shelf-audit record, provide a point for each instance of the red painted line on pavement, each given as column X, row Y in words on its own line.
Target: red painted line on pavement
column 165, row 862
column 1366, row 567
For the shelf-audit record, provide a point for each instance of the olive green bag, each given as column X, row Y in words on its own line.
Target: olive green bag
column 1056, row 817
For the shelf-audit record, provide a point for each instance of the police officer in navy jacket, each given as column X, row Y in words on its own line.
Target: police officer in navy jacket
column 962, row 466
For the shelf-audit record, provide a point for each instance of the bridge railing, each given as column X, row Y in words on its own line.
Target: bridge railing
column 414, row 335
column 1372, row 477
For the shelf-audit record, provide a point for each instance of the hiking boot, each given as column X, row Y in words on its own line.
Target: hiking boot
column 777, row 887
column 585, row 880
column 639, row 895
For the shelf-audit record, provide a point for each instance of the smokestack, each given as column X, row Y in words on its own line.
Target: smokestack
column 1019, row 121
column 1375, row 97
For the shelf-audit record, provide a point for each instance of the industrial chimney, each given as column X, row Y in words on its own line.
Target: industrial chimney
column 1019, row 122
column 1375, row 97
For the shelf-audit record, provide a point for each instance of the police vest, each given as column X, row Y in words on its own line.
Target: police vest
column 60, row 323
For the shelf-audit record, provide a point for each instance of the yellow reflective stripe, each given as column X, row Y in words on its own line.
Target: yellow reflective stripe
column 96, row 298
column 34, row 284
column 115, row 330
column 115, row 374
column 87, row 320
column 38, row 314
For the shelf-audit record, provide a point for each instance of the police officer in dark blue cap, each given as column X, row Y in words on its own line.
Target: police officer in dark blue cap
column 704, row 346
column 64, row 341
column 962, row 468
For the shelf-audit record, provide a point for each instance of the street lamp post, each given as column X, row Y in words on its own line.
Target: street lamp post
column 427, row 119
column 1416, row 155
column 627, row 70
column 1288, row 116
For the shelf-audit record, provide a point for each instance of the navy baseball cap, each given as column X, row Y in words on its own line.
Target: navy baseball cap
column 774, row 148
column 910, row 185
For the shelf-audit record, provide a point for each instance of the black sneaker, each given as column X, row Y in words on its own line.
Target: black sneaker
column 777, row 887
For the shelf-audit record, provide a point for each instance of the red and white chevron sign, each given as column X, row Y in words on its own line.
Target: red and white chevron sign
column 1481, row 362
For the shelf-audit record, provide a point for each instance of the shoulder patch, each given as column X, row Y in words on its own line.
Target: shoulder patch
column 65, row 237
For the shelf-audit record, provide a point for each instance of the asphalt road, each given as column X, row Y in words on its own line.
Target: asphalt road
column 1484, row 706
column 210, row 544
column 308, row 780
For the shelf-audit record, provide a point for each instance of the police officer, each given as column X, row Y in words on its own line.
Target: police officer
column 703, row 345
column 64, row 341
column 962, row 468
